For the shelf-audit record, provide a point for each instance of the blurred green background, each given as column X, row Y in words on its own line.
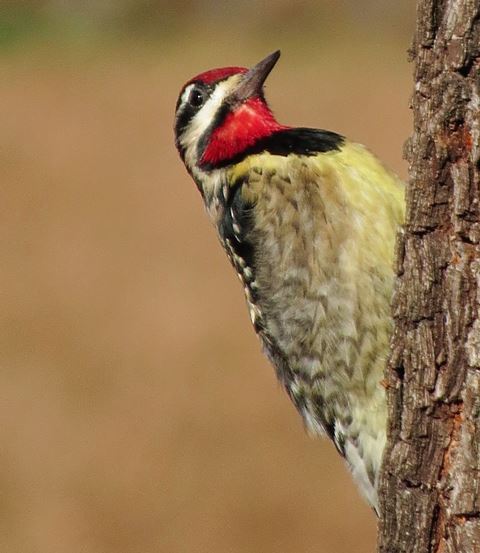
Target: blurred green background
column 138, row 413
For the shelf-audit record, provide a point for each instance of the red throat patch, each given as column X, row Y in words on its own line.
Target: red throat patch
column 240, row 129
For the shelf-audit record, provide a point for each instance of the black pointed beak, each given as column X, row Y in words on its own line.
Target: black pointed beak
column 252, row 82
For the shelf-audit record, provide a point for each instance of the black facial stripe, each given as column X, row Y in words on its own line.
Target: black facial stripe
column 300, row 141
column 184, row 117
column 217, row 121
column 188, row 112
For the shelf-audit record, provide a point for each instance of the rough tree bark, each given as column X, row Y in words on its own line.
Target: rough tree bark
column 430, row 491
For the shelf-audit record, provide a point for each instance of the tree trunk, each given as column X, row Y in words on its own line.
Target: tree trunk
column 430, row 490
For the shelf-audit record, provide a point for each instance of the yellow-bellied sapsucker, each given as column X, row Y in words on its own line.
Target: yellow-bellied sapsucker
column 308, row 220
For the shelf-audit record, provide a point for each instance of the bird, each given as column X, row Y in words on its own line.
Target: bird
column 308, row 220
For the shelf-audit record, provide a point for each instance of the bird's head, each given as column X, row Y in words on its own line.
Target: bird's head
column 221, row 113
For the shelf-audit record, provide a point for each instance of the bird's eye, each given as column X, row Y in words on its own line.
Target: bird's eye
column 196, row 98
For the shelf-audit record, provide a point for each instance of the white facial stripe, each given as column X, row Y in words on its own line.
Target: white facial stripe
column 202, row 120
column 211, row 182
column 186, row 94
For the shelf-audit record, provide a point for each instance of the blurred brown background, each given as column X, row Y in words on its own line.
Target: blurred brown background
column 138, row 414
